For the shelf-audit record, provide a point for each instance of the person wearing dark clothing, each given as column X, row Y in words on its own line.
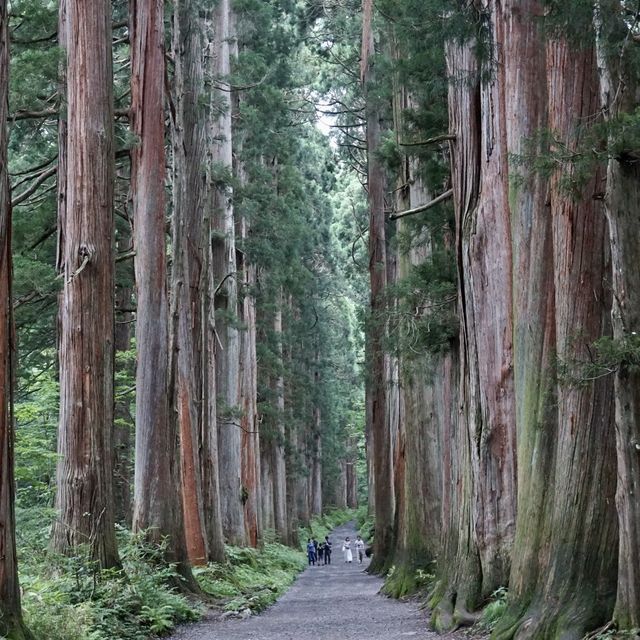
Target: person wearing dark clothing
column 320, row 552
column 327, row 550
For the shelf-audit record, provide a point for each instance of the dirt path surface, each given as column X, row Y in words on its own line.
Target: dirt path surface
column 333, row 602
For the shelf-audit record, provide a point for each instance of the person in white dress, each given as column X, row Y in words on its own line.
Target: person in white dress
column 346, row 550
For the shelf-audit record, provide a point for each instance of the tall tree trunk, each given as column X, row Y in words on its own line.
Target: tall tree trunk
column 84, row 498
column 226, row 271
column 11, row 624
column 459, row 587
column 380, row 433
column 248, row 395
column 278, row 443
column 188, row 278
column 303, row 482
column 316, row 467
column 352, row 474
column 574, row 583
column 418, row 465
column 157, row 500
column 486, row 333
column 618, row 97
column 122, row 415
column 534, row 327
column 209, row 442
column 291, row 434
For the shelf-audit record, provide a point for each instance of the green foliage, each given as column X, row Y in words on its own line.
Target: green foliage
column 71, row 599
column 365, row 522
column 251, row 579
column 492, row 612
column 602, row 358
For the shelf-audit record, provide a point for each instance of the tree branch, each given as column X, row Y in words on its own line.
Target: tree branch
column 421, row 143
column 410, row 212
column 34, row 187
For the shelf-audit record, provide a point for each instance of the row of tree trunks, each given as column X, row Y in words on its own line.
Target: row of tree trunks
column 528, row 247
column 84, row 498
column 196, row 384
column 11, row 624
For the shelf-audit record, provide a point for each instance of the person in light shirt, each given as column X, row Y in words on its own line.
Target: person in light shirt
column 360, row 549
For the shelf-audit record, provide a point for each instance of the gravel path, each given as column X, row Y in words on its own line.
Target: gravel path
column 333, row 602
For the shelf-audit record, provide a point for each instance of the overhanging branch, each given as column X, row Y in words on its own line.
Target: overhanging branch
column 425, row 207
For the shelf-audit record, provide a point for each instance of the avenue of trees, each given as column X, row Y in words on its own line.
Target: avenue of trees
column 217, row 320
column 180, row 345
column 503, row 351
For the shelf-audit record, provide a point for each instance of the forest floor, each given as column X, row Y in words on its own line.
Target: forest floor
column 333, row 602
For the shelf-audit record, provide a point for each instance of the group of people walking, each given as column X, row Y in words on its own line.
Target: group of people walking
column 320, row 553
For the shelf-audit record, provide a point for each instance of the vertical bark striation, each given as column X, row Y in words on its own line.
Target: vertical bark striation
column 188, row 277
column 250, row 444
column 278, row 464
column 618, row 90
column 226, row 301
column 377, row 391
column 564, row 576
column 11, row 625
column 459, row 588
column 85, row 499
column 157, row 503
column 533, row 292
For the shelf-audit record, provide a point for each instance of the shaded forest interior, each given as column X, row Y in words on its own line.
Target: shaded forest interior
column 264, row 263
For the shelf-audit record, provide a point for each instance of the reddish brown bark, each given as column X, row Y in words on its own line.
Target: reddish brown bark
column 84, row 498
column 190, row 339
column 157, row 504
column 377, row 390
column 459, row 586
column 568, row 569
column 11, row 625
column 486, row 337
column 248, row 398
column 534, row 300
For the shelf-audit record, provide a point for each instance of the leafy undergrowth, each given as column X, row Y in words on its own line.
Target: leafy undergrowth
column 493, row 611
column 251, row 578
column 71, row 599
